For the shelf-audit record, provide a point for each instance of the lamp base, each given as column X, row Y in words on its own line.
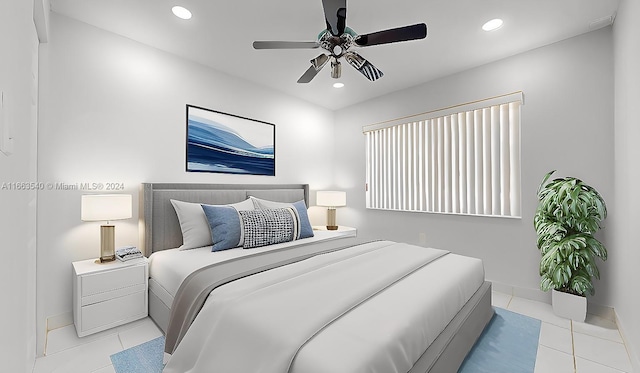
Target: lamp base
column 107, row 243
column 331, row 219
column 103, row 261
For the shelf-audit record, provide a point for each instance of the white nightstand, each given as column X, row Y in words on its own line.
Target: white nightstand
column 342, row 230
column 108, row 294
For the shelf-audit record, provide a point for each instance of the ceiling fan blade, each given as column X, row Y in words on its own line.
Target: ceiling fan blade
column 406, row 33
column 335, row 13
column 363, row 66
column 285, row 45
column 308, row 75
column 316, row 65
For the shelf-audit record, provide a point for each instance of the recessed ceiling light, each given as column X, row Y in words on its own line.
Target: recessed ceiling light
column 181, row 12
column 338, row 85
column 494, row 24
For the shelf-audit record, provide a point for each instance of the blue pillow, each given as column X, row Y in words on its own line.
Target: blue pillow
column 304, row 225
column 226, row 230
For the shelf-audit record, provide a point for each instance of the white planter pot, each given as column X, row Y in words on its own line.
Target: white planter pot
column 569, row 306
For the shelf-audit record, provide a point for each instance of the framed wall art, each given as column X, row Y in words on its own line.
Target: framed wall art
column 230, row 144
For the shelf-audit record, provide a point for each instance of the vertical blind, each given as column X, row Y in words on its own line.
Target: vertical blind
column 460, row 160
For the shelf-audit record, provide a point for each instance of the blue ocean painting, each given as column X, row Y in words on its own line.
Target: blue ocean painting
column 215, row 147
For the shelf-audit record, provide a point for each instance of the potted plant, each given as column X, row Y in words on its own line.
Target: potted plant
column 569, row 213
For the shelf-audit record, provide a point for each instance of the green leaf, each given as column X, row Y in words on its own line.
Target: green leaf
column 544, row 180
column 596, row 247
column 581, row 284
column 545, row 283
column 561, row 276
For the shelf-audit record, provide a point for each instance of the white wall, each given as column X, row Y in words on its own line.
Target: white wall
column 115, row 112
column 18, row 61
column 625, row 215
column 567, row 124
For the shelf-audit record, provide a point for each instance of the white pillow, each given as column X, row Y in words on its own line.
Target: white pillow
column 194, row 224
column 263, row 204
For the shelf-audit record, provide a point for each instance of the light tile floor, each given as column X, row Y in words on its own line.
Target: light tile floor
column 565, row 346
column 66, row 353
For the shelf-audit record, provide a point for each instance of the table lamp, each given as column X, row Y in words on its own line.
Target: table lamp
column 331, row 199
column 106, row 207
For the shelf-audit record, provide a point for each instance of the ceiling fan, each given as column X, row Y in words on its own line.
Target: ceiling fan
column 337, row 39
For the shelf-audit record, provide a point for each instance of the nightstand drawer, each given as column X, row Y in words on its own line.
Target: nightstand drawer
column 102, row 282
column 113, row 311
column 101, row 297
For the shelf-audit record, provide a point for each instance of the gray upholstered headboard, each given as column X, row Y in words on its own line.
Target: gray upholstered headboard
column 159, row 226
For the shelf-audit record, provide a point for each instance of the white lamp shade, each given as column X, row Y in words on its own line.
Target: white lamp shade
column 105, row 207
column 330, row 198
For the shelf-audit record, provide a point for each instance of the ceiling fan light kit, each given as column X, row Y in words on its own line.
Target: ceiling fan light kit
column 319, row 62
column 336, row 69
column 337, row 38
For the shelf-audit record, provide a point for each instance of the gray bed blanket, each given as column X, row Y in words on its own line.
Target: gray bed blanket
column 260, row 323
column 195, row 289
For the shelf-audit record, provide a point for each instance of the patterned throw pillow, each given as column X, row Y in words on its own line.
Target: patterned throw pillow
column 300, row 209
column 268, row 227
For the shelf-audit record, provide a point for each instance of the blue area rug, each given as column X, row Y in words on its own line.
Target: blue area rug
column 509, row 344
column 144, row 358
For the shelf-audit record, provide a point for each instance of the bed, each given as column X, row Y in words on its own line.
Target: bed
column 424, row 317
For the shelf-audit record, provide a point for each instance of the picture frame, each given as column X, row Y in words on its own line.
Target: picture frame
column 225, row 143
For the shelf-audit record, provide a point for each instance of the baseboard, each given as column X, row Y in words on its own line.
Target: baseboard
column 633, row 352
column 59, row 321
column 545, row 297
column 501, row 288
column 56, row 322
column 531, row 294
column 605, row 312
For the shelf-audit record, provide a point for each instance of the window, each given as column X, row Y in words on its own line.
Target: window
column 460, row 160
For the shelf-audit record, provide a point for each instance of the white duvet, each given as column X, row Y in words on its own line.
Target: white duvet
column 387, row 333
